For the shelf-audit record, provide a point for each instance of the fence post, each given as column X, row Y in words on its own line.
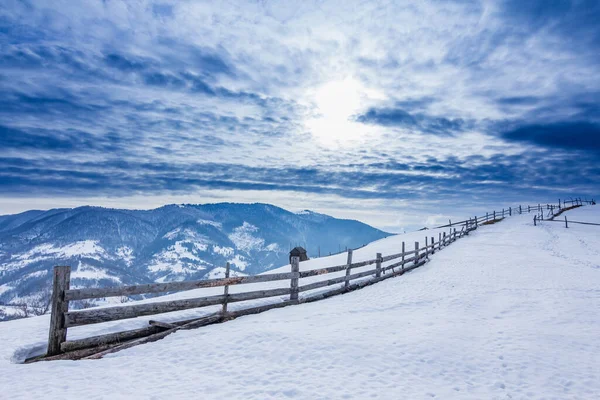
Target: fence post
column 440, row 241
column 378, row 266
column 534, row 220
column 494, row 215
column 294, row 281
column 403, row 251
column 528, row 209
column 520, row 211
column 454, row 240
column 444, row 238
column 566, row 223
column 416, row 253
column 432, row 245
column 347, row 281
column 510, row 211
column 226, row 290
column 58, row 332
column 426, row 247
column 476, row 222
column 559, row 204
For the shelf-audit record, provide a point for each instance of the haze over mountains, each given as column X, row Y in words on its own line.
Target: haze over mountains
column 176, row 242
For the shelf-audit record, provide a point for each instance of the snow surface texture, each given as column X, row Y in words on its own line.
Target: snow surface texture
column 510, row 311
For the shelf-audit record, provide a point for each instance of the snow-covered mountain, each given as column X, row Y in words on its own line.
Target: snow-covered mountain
column 175, row 242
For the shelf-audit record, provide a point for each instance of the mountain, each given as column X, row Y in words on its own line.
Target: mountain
column 108, row 247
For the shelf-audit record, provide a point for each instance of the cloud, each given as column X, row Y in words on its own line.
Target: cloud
column 396, row 117
column 456, row 98
column 566, row 135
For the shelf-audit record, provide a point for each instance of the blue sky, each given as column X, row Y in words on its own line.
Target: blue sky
column 400, row 114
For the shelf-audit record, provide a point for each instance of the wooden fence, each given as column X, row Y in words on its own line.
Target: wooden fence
column 95, row 347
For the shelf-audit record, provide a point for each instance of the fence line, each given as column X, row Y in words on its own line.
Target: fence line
column 94, row 347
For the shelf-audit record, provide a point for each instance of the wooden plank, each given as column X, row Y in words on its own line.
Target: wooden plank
column 348, row 268
column 116, row 337
column 58, row 329
column 378, row 266
column 363, row 263
column 71, row 355
column 94, row 316
column 94, row 293
column 160, row 324
column 333, row 281
column 416, row 252
column 403, row 255
column 226, row 290
column 294, row 281
column 259, row 309
column 123, row 336
column 391, row 257
column 323, row 271
column 154, row 337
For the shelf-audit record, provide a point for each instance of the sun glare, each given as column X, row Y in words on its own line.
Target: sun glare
column 337, row 102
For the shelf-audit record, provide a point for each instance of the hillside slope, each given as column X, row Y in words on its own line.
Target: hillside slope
column 509, row 312
column 107, row 247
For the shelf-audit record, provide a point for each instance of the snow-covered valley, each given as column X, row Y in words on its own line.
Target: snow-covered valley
column 511, row 311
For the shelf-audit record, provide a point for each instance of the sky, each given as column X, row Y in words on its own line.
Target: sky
column 397, row 113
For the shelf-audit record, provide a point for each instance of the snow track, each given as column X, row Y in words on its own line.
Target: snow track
column 509, row 312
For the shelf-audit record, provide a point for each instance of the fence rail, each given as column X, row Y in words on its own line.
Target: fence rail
column 382, row 267
column 59, row 347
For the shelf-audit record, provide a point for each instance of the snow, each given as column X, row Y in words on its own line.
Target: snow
column 5, row 288
column 174, row 258
column 239, row 262
column 211, row 223
column 511, row 311
column 85, row 248
column 219, row 272
column 224, row 251
column 89, row 272
column 244, row 240
column 126, row 253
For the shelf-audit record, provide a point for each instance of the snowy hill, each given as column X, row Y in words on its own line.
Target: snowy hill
column 511, row 311
column 175, row 242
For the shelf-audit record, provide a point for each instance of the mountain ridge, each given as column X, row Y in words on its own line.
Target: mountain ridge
column 109, row 246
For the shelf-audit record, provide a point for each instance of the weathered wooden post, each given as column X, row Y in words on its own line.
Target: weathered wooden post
column 486, row 216
column 520, row 210
column 295, row 277
column 454, row 240
column 510, row 211
column 528, row 209
column 444, row 238
column 476, row 223
column 432, row 245
column 534, row 220
column 566, row 223
column 426, row 247
column 559, row 204
column 403, row 251
column 378, row 266
column 494, row 215
column 58, row 331
column 348, row 262
column 416, row 253
column 226, row 290
column 503, row 213
column 440, row 241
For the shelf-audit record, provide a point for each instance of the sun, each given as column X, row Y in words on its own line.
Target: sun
column 337, row 102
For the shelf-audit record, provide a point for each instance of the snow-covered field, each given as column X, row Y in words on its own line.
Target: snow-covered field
column 511, row 311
